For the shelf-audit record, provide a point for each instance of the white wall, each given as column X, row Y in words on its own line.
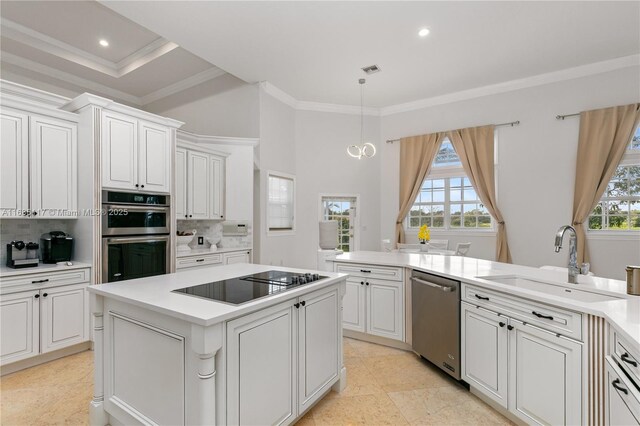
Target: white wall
column 224, row 106
column 536, row 164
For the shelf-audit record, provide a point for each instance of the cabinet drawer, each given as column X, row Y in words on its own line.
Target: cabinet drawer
column 623, row 398
column 195, row 261
column 43, row 280
column 370, row 271
column 627, row 357
column 557, row 320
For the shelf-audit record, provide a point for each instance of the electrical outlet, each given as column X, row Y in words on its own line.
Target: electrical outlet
column 200, row 241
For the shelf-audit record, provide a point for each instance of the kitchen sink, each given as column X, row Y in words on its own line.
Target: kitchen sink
column 556, row 289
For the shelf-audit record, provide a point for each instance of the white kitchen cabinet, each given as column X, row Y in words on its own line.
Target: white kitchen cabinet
column 136, row 155
column 545, row 376
column 484, row 351
column 20, row 324
column 180, row 197
column 622, row 397
column 217, row 189
column 198, row 187
column 63, row 317
column 236, row 257
column 14, row 162
column 39, row 161
column 353, row 305
column 154, row 163
column 119, row 151
column 374, row 300
column 53, row 169
column 385, row 316
column 268, row 350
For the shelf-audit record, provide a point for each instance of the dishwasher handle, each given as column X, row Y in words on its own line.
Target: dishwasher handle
column 441, row 287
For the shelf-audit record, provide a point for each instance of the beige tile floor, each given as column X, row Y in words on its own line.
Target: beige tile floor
column 385, row 387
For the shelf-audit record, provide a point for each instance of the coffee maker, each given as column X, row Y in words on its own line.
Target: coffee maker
column 22, row 255
column 57, row 246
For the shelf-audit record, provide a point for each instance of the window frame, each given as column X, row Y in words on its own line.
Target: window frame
column 355, row 241
column 631, row 158
column 272, row 232
column 446, row 172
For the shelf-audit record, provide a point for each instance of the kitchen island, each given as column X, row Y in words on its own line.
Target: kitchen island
column 166, row 357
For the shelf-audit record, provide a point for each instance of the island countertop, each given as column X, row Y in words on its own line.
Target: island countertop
column 156, row 293
column 623, row 314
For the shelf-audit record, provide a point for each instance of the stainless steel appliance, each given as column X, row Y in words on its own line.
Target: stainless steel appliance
column 240, row 290
column 56, row 246
column 21, row 255
column 135, row 235
column 435, row 311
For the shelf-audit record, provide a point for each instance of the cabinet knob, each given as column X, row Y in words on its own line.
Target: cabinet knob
column 186, row 215
column 45, row 294
column 297, row 305
column 361, row 282
column 142, row 186
column 303, row 303
column 35, row 213
column 625, row 358
column 190, row 215
column 509, row 327
column 501, row 324
column 37, row 296
column 367, row 283
column 137, row 185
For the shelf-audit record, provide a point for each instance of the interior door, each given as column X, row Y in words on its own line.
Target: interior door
column 14, row 162
column 154, row 166
column 63, row 315
column 19, row 326
column 53, row 171
column 119, row 151
column 199, row 185
column 180, row 199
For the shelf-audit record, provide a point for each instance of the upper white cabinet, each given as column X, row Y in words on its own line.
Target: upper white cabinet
column 39, row 162
column 136, row 155
column 200, row 183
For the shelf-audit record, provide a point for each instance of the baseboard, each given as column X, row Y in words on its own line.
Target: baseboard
column 499, row 408
column 376, row 339
column 42, row 358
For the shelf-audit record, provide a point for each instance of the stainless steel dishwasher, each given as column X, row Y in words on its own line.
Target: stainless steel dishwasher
column 435, row 311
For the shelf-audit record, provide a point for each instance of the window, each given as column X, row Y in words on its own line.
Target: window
column 619, row 207
column 447, row 199
column 280, row 202
column 343, row 209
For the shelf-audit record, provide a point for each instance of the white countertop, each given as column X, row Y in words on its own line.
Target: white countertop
column 155, row 293
column 201, row 251
column 6, row 272
column 623, row 314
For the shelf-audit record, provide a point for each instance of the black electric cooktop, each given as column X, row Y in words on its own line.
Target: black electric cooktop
column 250, row 287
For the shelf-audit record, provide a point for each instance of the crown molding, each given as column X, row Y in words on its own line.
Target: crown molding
column 194, row 80
column 279, row 94
column 337, row 108
column 194, row 138
column 83, row 83
column 31, row 94
column 53, row 46
column 523, row 83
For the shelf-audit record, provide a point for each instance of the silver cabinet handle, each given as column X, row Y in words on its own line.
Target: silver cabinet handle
column 441, row 287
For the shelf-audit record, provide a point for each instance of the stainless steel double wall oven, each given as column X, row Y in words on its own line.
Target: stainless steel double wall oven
column 136, row 235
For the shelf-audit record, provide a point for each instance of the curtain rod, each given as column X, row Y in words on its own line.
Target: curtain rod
column 562, row 117
column 510, row 124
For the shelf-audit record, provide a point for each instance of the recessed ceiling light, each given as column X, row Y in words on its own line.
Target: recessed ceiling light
column 423, row 32
column 104, row 43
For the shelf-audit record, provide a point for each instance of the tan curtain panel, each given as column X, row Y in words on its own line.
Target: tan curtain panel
column 475, row 147
column 603, row 140
column 416, row 156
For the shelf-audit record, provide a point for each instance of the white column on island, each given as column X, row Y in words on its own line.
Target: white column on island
column 205, row 342
column 97, row 415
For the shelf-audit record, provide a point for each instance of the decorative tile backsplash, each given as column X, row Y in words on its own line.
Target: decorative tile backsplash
column 28, row 230
column 212, row 230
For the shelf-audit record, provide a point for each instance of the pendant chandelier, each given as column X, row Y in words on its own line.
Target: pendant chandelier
column 365, row 149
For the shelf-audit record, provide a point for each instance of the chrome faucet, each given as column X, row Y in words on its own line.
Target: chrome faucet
column 573, row 251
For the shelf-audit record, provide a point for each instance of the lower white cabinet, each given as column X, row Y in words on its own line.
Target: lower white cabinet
column 236, row 257
column 274, row 372
column 43, row 319
column 375, row 307
column 622, row 396
column 213, row 259
column 534, row 373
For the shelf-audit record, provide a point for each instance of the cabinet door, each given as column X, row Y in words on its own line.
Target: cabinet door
column 261, row 361
column 230, row 258
column 198, row 185
column 14, row 163
column 154, row 161
column 54, row 167
column 484, row 352
column 545, row 379
column 385, row 316
column 19, row 325
column 180, row 198
column 217, row 188
column 318, row 345
column 64, row 316
column 119, row 151
column 353, row 305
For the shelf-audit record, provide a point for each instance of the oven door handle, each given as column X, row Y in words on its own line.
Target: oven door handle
column 136, row 239
column 136, row 207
